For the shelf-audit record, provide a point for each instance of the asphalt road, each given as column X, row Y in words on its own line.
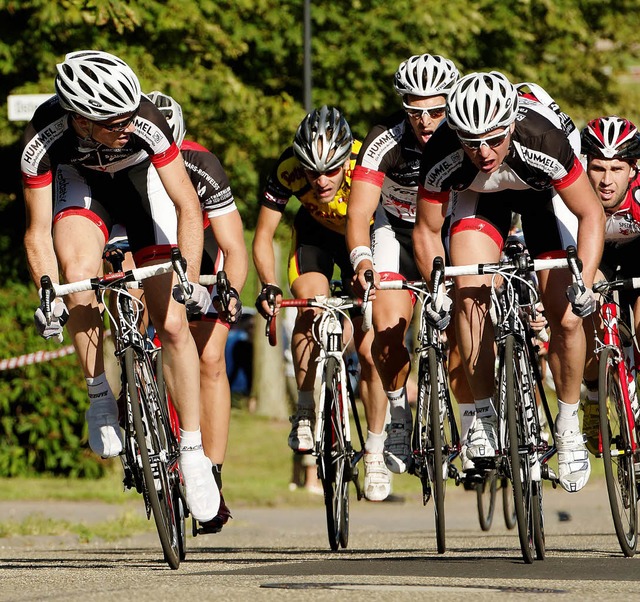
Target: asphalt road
column 282, row 553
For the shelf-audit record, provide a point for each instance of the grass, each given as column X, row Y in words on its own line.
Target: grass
column 257, row 472
column 129, row 523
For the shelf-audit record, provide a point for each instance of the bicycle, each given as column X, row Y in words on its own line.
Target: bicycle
column 435, row 440
column 619, row 440
column 523, row 453
column 335, row 455
column 151, row 450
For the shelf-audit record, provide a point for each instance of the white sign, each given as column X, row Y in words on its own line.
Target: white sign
column 21, row 107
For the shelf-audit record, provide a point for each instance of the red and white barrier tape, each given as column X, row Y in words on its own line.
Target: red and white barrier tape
column 35, row 358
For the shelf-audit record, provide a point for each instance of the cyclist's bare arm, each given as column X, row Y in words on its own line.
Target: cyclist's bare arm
column 38, row 241
column 582, row 201
column 228, row 232
column 427, row 238
column 263, row 255
column 176, row 182
column 363, row 201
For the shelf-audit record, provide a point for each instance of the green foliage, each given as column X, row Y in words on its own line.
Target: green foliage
column 42, row 426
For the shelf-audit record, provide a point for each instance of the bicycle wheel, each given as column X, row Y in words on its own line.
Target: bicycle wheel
column 538, row 520
column 180, row 505
column 158, row 451
column 616, row 453
column 508, row 507
column 437, row 460
column 486, row 499
column 334, row 458
column 518, row 447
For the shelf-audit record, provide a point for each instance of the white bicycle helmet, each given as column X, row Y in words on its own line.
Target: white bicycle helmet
column 323, row 140
column 172, row 112
column 425, row 75
column 610, row 138
column 481, row 102
column 97, row 85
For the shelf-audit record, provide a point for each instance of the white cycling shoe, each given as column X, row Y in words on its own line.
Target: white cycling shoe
column 105, row 436
column 203, row 496
column 482, row 440
column 377, row 480
column 574, row 467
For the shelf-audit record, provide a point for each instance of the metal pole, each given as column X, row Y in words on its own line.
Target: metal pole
column 308, row 104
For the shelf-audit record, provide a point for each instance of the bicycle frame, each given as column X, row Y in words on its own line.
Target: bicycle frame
column 613, row 338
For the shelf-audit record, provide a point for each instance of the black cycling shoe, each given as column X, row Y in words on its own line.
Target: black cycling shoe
column 217, row 522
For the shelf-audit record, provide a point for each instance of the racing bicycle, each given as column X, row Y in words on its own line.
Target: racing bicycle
column 436, row 439
column 619, row 441
column 151, row 449
column 336, row 457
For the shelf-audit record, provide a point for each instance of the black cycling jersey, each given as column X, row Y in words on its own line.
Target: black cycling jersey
column 540, row 157
column 390, row 158
column 50, row 140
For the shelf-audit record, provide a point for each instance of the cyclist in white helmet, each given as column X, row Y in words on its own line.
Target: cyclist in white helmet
column 86, row 166
column 611, row 146
column 316, row 170
column 224, row 248
column 385, row 182
column 504, row 151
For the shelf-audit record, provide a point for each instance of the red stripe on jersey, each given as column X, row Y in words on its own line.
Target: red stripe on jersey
column 389, row 276
column 90, row 215
column 191, row 145
column 37, row 181
column 438, row 198
column 367, row 175
column 162, row 159
column 571, row 177
column 147, row 254
column 475, row 224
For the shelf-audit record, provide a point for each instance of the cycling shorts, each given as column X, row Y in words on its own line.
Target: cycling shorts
column 547, row 224
column 315, row 248
column 134, row 197
column 392, row 247
column 620, row 261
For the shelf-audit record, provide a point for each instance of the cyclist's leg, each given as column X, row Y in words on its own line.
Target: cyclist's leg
column 548, row 231
column 215, row 400
column 79, row 232
column 151, row 225
column 309, row 271
column 392, row 313
column 479, row 226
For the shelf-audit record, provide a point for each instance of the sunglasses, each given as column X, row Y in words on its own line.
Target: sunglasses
column 119, row 126
column 314, row 175
column 490, row 141
column 418, row 112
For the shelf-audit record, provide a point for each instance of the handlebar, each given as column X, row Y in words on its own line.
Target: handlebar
column 323, row 302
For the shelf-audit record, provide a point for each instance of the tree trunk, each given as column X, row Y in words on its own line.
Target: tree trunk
column 269, row 391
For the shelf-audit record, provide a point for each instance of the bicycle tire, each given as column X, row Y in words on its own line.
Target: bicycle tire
column 508, row 507
column 333, row 459
column 538, row 521
column 179, row 500
column 155, row 444
column 486, row 499
column 519, row 462
column 435, row 454
column 619, row 466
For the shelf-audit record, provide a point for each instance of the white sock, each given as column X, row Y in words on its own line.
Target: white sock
column 99, row 389
column 592, row 395
column 399, row 406
column 306, row 400
column 567, row 419
column 190, row 441
column 485, row 408
column 375, row 442
column 467, row 416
